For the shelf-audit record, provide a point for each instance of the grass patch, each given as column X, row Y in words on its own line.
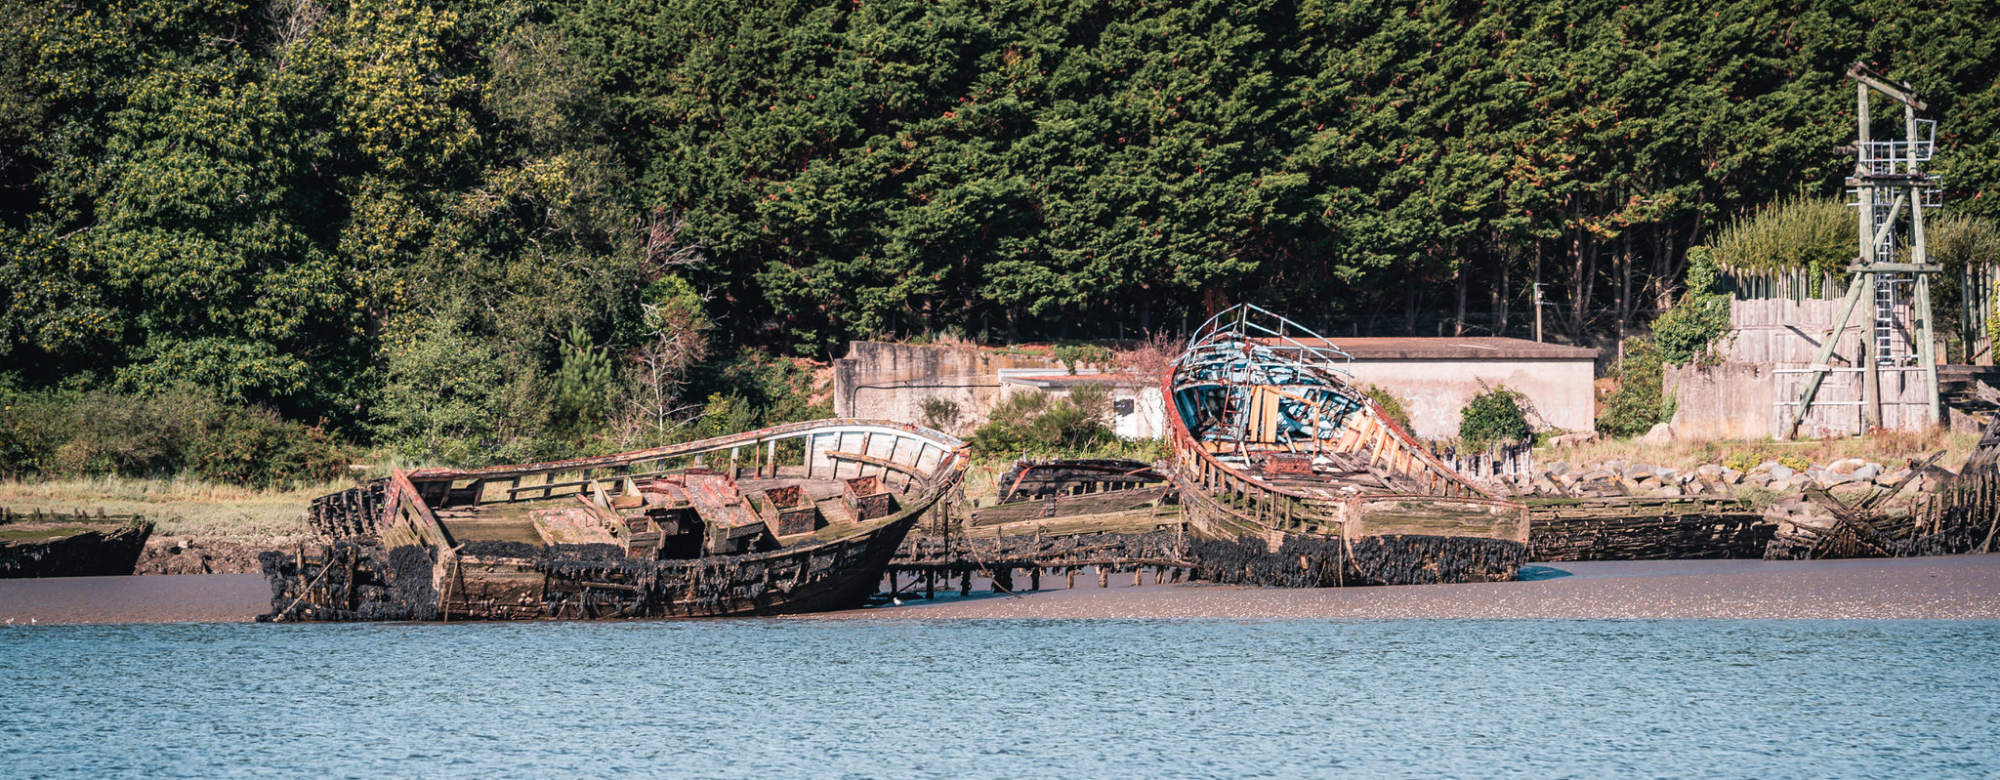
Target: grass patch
column 177, row 507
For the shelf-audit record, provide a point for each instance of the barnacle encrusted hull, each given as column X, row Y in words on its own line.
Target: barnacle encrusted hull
column 1318, row 562
column 346, row 581
column 802, row 518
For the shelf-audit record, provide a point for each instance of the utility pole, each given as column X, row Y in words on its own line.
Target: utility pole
column 1538, row 312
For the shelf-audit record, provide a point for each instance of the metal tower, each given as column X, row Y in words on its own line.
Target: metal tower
column 1891, row 193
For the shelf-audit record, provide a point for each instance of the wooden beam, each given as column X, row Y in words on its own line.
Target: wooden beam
column 1901, row 93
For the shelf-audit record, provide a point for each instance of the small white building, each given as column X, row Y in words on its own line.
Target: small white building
column 1435, row 378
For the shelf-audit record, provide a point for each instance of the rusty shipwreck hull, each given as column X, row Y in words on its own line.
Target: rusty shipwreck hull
column 1290, row 476
column 796, row 518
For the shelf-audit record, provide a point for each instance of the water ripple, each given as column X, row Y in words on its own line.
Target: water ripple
column 1005, row 699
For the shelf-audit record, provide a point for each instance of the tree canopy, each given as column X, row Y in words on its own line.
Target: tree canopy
column 299, row 203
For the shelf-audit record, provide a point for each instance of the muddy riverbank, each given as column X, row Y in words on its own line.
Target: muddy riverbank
column 1947, row 588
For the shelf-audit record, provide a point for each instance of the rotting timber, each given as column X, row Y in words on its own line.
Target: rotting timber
column 796, row 518
column 70, row 545
column 1289, row 475
column 1058, row 517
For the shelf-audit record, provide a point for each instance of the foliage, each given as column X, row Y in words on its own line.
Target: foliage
column 1048, row 424
column 1392, row 407
column 180, row 430
column 256, row 448
column 940, row 414
column 1090, row 355
column 1684, row 333
column 583, row 385
column 1957, row 242
column 1800, row 232
column 1494, row 416
column 613, row 201
column 442, row 394
column 673, row 339
column 753, row 389
column 1640, row 402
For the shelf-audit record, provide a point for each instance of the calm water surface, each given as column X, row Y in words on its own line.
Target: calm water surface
column 1006, row 699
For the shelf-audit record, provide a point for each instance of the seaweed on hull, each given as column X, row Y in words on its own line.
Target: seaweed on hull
column 802, row 518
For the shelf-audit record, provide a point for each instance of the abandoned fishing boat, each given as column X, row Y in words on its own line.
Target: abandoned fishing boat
column 796, row 518
column 1289, row 475
column 1056, row 497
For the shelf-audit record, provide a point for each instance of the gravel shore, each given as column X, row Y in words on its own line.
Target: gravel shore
column 1947, row 588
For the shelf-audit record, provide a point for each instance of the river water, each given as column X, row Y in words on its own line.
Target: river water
column 804, row 698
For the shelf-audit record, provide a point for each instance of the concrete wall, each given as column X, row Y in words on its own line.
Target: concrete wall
column 1756, row 401
column 1434, row 391
column 1753, row 393
column 892, row 381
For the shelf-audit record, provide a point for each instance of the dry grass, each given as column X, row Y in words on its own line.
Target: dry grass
column 1889, row 448
column 178, row 507
column 982, row 480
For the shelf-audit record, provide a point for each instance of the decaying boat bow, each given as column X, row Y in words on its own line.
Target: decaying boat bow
column 1292, row 476
column 796, row 518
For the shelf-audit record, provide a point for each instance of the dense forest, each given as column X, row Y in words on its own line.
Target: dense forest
column 480, row 230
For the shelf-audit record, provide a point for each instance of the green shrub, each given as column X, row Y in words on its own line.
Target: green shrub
column 443, row 397
column 1072, row 355
column 1640, row 401
column 1685, row 332
column 582, row 392
column 1392, row 407
column 255, row 448
column 1800, row 232
column 33, row 426
column 1494, row 416
column 1046, row 424
column 940, row 414
column 178, row 431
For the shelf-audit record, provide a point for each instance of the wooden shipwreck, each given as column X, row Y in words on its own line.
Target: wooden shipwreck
column 796, row 518
column 1289, row 475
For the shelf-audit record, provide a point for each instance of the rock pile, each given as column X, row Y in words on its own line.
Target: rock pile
column 1613, row 478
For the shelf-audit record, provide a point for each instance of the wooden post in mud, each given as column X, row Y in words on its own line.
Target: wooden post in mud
column 1072, row 578
column 1103, row 576
column 965, row 583
column 930, row 583
column 1035, row 578
column 893, row 588
column 1138, row 576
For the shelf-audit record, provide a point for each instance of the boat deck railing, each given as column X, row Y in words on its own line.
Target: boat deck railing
column 908, row 458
